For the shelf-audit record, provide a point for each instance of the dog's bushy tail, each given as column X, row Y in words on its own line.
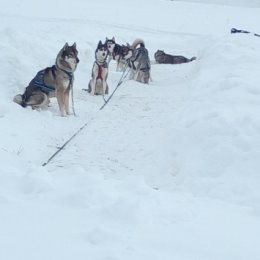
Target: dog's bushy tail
column 137, row 42
column 19, row 99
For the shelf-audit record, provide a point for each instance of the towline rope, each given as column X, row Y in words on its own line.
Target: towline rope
column 124, row 74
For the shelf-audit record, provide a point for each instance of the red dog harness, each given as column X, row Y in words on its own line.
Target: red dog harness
column 100, row 68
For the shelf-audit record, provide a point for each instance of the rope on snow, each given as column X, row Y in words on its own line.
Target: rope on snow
column 124, row 74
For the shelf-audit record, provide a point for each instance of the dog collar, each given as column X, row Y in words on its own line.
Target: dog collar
column 70, row 74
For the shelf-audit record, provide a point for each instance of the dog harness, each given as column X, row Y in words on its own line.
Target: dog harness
column 140, row 52
column 100, row 70
column 38, row 82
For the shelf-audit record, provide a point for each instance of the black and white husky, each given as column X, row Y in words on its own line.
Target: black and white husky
column 98, row 82
column 116, row 52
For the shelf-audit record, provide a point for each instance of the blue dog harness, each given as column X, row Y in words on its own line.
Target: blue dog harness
column 38, row 82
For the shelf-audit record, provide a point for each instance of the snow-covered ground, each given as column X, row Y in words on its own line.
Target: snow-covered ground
column 168, row 170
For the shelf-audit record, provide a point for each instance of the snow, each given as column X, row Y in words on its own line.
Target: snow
column 168, row 170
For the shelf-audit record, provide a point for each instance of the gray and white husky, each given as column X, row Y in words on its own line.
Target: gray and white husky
column 163, row 58
column 55, row 81
column 138, row 60
column 98, row 82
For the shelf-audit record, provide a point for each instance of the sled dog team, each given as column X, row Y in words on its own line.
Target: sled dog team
column 57, row 81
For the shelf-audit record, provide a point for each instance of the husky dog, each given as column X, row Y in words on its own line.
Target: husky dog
column 162, row 57
column 115, row 52
column 98, row 83
column 55, row 81
column 138, row 61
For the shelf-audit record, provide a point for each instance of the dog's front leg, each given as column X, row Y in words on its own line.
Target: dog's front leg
column 104, row 85
column 118, row 60
column 110, row 57
column 61, row 100
column 136, row 75
column 131, row 74
column 67, row 95
column 93, row 86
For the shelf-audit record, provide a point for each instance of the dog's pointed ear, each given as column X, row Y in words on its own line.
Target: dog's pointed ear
column 99, row 43
column 74, row 45
column 65, row 46
column 128, row 45
column 113, row 38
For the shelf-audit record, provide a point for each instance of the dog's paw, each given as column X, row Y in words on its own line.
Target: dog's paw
column 63, row 114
